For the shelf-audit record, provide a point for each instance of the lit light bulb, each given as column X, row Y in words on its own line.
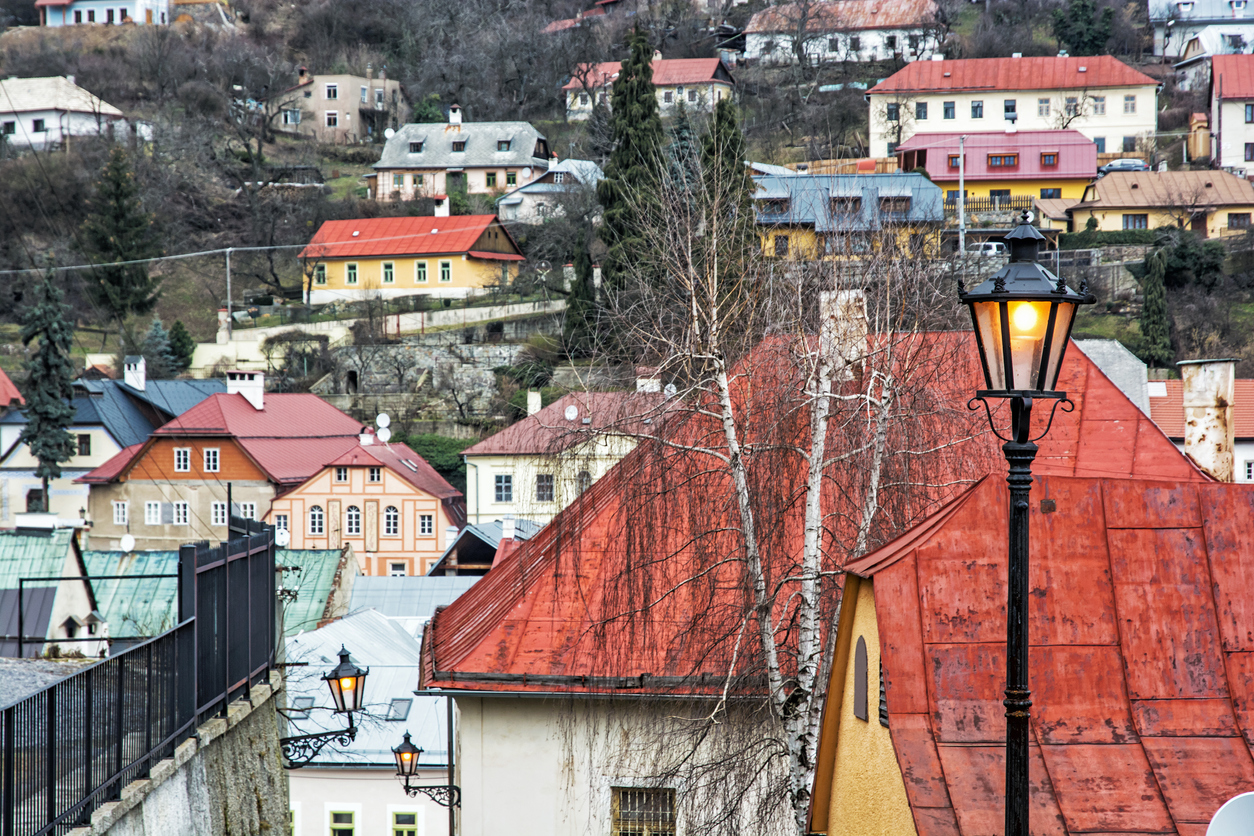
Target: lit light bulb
column 405, row 756
column 1025, row 317
column 348, row 683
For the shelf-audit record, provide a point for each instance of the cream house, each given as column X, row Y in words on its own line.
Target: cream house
column 538, row 466
column 1210, row 203
column 1102, row 98
column 343, row 108
column 1232, row 112
column 698, row 84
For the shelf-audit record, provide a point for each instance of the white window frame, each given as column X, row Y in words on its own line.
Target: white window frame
column 352, row 521
column 213, row 459
column 375, row 475
column 248, row 510
column 1042, row 108
column 1129, row 105
column 182, row 460
column 319, row 527
column 121, row 513
column 341, row 474
column 392, row 570
column 551, row 486
column 426, row 525
column 281, row 522
column 391, row 521
column 217, row 513
column 1099, row 105
column 365, row 94
column 182, row 513
column 331, row 91
column 503, row 488
column 152, row 513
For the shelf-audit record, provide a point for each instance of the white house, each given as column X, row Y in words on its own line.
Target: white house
column 843, row 30
column 1232, row 112
column 45, row 112
column 108, row 12
column 1176, row 22
column 542, row 198
column 696, row 83
column 1194, row 67
column 1102, row 98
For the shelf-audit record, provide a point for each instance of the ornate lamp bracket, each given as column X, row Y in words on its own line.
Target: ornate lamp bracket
column 445, row 795
column 301, row 750
column 1021, row 412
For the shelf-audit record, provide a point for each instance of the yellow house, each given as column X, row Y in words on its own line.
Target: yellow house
column 367, row 258
column 1211, row 203
column 383, row 500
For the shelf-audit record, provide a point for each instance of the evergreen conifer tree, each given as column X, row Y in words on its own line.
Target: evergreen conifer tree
column 684, row 153
column 579, row 325
column 118, row 229
column 1081, row 29
column 49, row 384
column 183, row 346
column 1155, row 333
column 631, row 177
column 158, row 353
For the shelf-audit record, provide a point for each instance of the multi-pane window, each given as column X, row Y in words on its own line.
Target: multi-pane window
column 415, row 147
column 504, row 487
column 404, row 824
column 248, row 510
column 1051, row 194
column 1100, row 142
column 342, row 824
column 1002, row 160
column 291, row 116
column 218, row 513
column 420, row 272
column 320, row 274
column 636, row 811
column 333, row 91
column 1249, row 471
column 1049, row 158
column 1136, row 221
column 341, row 474
column 1129, row 144
column 1249, row 113
column 446, row 271
column 890, row 41
column 1249, row 151
column 182, row 515
column 949, row 109
column 511, row 178
column 397, row 570
column 668, row 97
column 120, row 516
column 920, row 110
column 999, row 192
column 583, row 481
column 350, row 274
column 376, row 474
column 544, row 487
column 1099, row 105
column 953, row 160
column 317, row 520
column 1071, row 106
column 152, row 513
column 352, row 521
column 391, row 521
column 1129, row 104
column 182, row 459
column 692, row 95
column 1238, row 220
column 280, row 521
column 84, row 444
column 1009, row 108
column 212, row 460
column 977, row 110
column 1042, row 107
column 855, row 43
column 459, row 146
column 894, row 112
column 365, row 95
column 490, row 179
column 426, row 525
column 332, row 118
column 389, row 272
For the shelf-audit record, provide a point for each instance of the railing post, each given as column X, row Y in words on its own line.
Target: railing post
column 8, row 809
column 119, row 716
column 148, row 720
column 50, row 755
column 88, row 755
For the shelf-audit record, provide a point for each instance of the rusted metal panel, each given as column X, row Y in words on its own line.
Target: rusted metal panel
column 962, row 573
column 1209, row 393
column 977, row 786
column 1185, row 718
column 1168, row 630
column 1106, row 447
column 936, row 821
column 1078, row 696
column 1241, row 684
column 965, row 693
column 1229, row 527
column 1136, row 504
column 901, row 642
column 920, row 765
column 1152, row 458
column 1106, row 788
column 1197, row 775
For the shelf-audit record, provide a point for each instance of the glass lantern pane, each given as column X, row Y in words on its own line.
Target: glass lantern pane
column 1062, row 331
column 988, row 330
column 1028, row 321
column 336, row 694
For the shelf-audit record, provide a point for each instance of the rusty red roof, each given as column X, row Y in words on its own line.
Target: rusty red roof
column 1073, row 155
column 552, row 616
column 844, row 16
column 551, row 431
column 1168, row 410
column 9, row 394
column 1232, row 76
column 364, row 237
column 974, row 74
column 666, row 72
column 1141, row 629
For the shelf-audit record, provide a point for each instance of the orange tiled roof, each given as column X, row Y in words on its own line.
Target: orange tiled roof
column 1233, row 76
column 844, row 16
column 666, row 72
column 1168, row 411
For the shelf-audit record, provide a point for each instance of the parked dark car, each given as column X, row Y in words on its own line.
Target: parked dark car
column 1124, row 164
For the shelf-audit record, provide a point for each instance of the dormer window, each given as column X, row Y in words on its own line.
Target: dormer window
column 1238, row 6
column 415, row 147
column 501, row 145
column 953, row 160
column 846, row 205
column 773, row 206
column 1003, row 160
column 1185, row 6
column 1049, row 158
column 459, row 146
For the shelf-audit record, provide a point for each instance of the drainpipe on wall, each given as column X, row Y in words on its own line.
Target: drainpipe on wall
column 476, row 467
column 1209, row 389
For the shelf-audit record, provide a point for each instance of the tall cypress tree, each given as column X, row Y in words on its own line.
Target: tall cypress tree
column 723, row 153
column 1154, row 327
column 631, row 177
column 49, row 391
column 117, row 230
column 579, row 327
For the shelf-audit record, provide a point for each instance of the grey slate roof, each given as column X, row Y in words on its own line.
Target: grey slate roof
column 116, row 406
column 584, row 171
column 415, row 596
column 810, row 200
column 527, row 146
column 490, row 533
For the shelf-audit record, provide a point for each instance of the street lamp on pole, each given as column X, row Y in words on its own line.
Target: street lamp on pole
column 348, row 685
column 1022, row 316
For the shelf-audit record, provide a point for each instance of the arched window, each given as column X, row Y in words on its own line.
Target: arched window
column 391, row 521
column 352, row 524
column 859, row 680
column 317, row 521
column 583, row 481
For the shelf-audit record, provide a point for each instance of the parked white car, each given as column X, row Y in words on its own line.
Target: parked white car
column 988, row 248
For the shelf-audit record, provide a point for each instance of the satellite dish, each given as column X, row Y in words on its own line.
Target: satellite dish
column 543, row 267
column 571, row 413
column 526, row 173
column 127, row 543
column 282, row 537
column 384, row 434
column 382, row 420
column 1233, row 818
column 389, row 133
column 669, row 390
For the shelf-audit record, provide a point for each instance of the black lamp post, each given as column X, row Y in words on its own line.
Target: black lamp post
column 348, row 685
column 1023, row 317
column 446, row 795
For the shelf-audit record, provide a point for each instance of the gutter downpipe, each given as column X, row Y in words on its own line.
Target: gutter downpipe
column 476, row 467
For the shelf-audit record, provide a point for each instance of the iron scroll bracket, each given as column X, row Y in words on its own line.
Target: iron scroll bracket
column 1021, row 411
column 301, row 750
column 446, row 795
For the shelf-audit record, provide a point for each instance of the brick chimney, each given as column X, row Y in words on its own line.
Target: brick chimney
column 1209, row 389
column 252, row 385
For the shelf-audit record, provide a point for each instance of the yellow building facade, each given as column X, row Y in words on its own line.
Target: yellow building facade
column 1212, row 204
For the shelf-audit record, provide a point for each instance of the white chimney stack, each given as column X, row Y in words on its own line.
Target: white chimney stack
column 252, row 385
column 366, row 437
column 507, row 527
column 441, row 207
column 843, row 331
column 534, row 402
column 1209, row 389
column 135, row 372
column 454, row 114
column 647, row 379
column 450, row 534
column 224, row 327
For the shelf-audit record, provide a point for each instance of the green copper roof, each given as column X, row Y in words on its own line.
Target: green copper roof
column 33, row 555
column 312, row 584
column 139, row 606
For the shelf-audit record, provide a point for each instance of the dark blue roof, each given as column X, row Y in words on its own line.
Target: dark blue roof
column 846, row 202
column 116, row 406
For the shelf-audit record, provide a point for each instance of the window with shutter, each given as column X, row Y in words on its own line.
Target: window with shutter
column 883, row 698
column 859, row 680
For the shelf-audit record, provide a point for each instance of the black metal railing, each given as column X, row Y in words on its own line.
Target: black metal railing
column 73, row 746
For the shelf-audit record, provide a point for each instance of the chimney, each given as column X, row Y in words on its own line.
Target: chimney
column 441, row 206
column 657, row 55
column 568, row 276
column 224, row 327
column 450, row 534
column 647, row 379
column 507, row 528
column 135, row 372
column 303, row 74
column 366, row 437
column 383, row 73
column 534, row 402
column 454, row 114
column 252, row 385
column 71, row 80
column 369, row 72
column 843, row 330
column 596, row 280
column 1209, row 389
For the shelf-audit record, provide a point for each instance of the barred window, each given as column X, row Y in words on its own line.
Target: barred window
column 642, row 812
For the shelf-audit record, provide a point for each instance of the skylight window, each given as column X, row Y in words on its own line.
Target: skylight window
column 410, row 465
column 399, row 709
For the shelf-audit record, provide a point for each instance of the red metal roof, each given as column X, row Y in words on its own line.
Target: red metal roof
column 550, row 431
column 284, row 416
column 365, row 237
column 666, row 72
column 552, row 615
column 1232, row 76
column 973, row 74
column 1168, row 411
column 9, row 394
column 1142, row 650
column 394, row 457
column 290, row 461
column 108, row 471
column 1075, row 155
